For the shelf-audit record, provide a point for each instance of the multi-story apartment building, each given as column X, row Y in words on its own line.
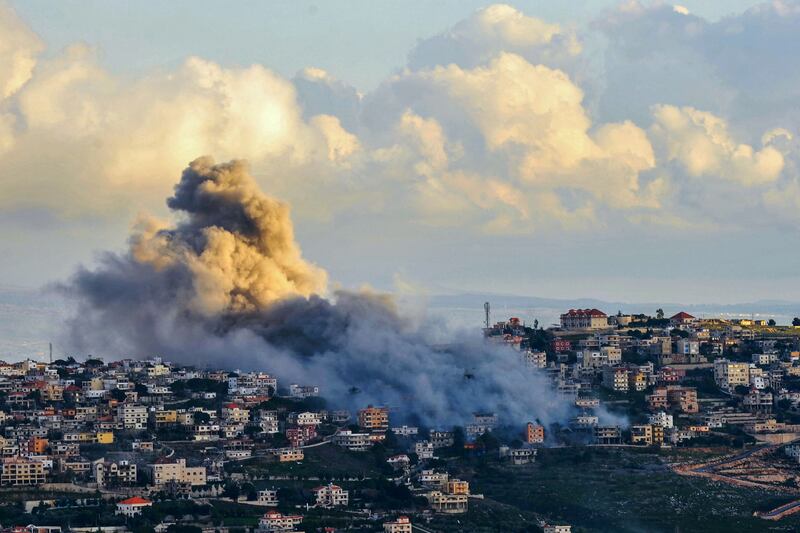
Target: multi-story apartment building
column 534, row 433
column 114, row 473
column 729, row 375
column 374, row 418
column 132, row 416
column 357, row 442
column 19, row 471
column 166, row 470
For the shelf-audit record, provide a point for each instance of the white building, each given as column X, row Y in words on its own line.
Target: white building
column 331, row 495
column 132, row 506
column 661, row 419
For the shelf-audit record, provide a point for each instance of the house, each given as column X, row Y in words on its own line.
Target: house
column 681, row 319
column 447, row 503
column 522, row 456
column 557, row 529
column 357, row 442
column 401, row 525
column 331, row 495
column 274, row 521
column 132, row 506
column 287, row 455
column 268, row 497
column 584, row 319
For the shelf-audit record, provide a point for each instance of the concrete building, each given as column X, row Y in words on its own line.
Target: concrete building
column 357, row 442
column 274, row 521
column 132, row 416
column 19, row 471
column 534, row 433
column 166, row 470
column 584, row 319
column 728, row 375
column 331, row 495
column 132, row 506
column 374, row 418
column 401, row 525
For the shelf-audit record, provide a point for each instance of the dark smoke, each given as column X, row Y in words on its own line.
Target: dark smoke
column 226, row 286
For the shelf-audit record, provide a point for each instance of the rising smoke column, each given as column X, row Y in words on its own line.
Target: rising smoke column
column 227, row 286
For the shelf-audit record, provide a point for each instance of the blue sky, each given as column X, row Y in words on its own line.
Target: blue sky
column 619, row 150
column 359, row 40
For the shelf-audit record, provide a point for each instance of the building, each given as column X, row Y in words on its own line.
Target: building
column 114, row 473
column 681, row 319
column 401, row 525
column 18, row 471
column 166, row 470
column 331, row 495
column 534, row 359
column 374, row 418
column 522, row 456
column 616, row 378
column 584, row 319
column 288, row 455
column 642, row 434
column 132, row 416
column 561, row 345
column 274, row 521
column 607, row 434
column 728, row 375
column 424, row 449
column 132, row 506
column 268, row 497
column 357, row 442
column 534, row 433
column 557, row 529
column 447, row 503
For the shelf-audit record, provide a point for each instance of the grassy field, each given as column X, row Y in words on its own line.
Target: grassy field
column 620, row 490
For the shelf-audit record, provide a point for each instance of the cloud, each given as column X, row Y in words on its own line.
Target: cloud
column 494, row 126
column 700, row 142
column 492, row 30
column 19, row 48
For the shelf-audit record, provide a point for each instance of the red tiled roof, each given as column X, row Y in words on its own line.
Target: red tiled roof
column 586, row 312
column 682, row 316
column 136, row 500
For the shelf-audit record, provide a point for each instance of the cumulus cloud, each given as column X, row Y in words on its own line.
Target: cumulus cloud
column 496, row 125
column 19, row 48
column 492, row 30
column 701, row 143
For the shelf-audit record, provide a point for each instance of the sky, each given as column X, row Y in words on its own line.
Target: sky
column 630, row 151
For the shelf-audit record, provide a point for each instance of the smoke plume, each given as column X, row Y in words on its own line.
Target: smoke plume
column 227, row 286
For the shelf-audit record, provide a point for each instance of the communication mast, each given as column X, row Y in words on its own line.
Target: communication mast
column 51, row 353
column 486, row 308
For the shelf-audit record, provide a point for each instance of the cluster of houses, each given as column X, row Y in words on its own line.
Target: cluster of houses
column 661, row 362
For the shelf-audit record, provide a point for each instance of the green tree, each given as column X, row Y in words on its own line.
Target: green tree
column 771, row 322
column 659, row 313
column 796, row 321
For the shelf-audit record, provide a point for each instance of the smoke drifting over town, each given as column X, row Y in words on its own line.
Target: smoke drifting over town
column 227, row 286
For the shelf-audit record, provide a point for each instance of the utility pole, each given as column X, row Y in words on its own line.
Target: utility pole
column 51, row 353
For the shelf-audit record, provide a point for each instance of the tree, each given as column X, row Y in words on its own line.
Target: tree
column 659, row 313
column 796, row 321
column 741, row 390
column 771, row 322
column 231, row 491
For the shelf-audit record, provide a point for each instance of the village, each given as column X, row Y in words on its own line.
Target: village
column 147, row 445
